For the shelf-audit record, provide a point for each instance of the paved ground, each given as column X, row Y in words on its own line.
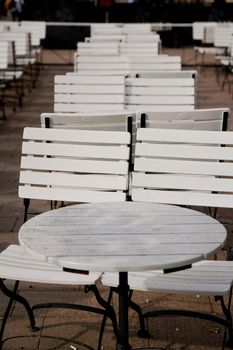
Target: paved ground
column 61, row 329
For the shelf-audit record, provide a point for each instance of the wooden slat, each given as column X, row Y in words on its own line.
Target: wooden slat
column 158, row 108
column 159, row 91
column 90, row 136
column 183, row 198
column 75, row 79
column 87, row 107
column 78, row 150
column 182, row 182
column 183, row 167
column 184, row 151
column 94, row 181
column 74, row 165
column 88, row 98
column 88, row 89
column 159, row 82
column 160, row 100
column 70, row 195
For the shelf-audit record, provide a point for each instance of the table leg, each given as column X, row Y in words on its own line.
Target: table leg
column 123, row 331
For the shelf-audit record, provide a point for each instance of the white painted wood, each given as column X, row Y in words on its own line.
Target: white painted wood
column 183, row 167
column 203, row 119
column 114, row 38
column 163, row 81
column 103, row 98
column 21, row 41
column 155, row 66
column 160, row 93
column 75, row 93
column 124, row 236
column 159, row 90
column 208, row 277
column 74, row 165
column 101, row 121
column 78, row 136
column 17, row 264
column 192, row 74
column 84, row 108
column 159, row 100
column 104, row 66
column 198, row 29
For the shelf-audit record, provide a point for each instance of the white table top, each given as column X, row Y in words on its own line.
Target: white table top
column 124, row 236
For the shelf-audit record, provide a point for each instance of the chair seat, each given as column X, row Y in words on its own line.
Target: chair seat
column 208, row 277
column 17, row 264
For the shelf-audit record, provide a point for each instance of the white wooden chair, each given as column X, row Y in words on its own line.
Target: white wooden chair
column 21, row 57
column 10, row 77
column 76, row 93
column 70, row 165
column 185, row 167
column 164, row 93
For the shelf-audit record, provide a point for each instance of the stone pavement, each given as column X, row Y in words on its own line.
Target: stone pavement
column 61, row 329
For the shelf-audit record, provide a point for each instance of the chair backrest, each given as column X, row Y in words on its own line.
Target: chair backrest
column 21, row 40
column 198, row 29
column 160, row 94
column 4, row 54
column 74, row 165
column 183, row 167
column 76, row 93
column 198, row 119
column 223, row 36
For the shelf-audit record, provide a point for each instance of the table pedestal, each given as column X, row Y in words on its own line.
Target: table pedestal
column 123, row 328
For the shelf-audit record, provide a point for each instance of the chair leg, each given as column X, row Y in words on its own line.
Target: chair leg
column 143, row 332
column 13, row 296
column 228, row 331
column 107, row 310
column 101, row 333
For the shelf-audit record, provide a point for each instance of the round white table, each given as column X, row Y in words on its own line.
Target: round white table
column 122, row 237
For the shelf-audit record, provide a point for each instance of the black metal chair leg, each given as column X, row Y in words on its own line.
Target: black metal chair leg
column 101, row 333
column 142, row 333
column 13, row 296
column 109, row 311
column 228, row 331
column 7, row 312
column 26, row 202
